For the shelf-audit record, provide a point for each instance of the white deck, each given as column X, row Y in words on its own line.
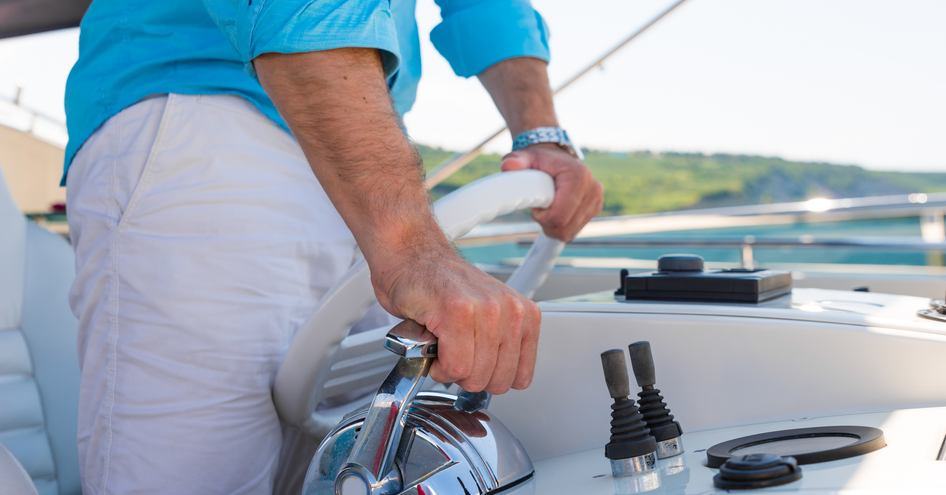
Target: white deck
column 906, row 465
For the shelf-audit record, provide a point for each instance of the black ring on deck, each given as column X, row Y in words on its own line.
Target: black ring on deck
column 868, row 440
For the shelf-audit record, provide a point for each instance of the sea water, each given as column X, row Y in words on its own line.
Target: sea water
column 879, row 229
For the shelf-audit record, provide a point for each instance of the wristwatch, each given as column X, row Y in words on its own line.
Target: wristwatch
column 553, row 135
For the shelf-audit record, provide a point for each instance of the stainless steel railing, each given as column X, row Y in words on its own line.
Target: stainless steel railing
column 929, row 208
column 747, row 244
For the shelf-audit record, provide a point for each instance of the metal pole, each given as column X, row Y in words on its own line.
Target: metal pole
column 746, row 257
column 459, row 160
column 932, row 229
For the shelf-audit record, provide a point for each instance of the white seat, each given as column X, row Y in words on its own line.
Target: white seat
column 13, row 478
column 39, row 370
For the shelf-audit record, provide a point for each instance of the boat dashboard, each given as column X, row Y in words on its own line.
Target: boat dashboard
column 808, row 358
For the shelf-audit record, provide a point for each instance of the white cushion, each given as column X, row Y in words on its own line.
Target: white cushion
column 13, row 478
column 39, row 371
column 12, row 259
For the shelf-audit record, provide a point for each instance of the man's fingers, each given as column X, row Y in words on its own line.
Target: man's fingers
column 576, row 215
column 507, row 361
column 437, row 374
column 455, row 342
column 597, row 201
column 516, row 161
column 454, row 361
column 528, row 346
column 577, row 198
column 555, row 219
column 485, row 353
column 573, row 203
column 587, row 208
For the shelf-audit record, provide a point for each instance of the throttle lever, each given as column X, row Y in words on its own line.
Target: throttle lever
column 369, row 469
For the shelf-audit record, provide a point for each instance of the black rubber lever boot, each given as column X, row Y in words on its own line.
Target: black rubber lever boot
column 632, row 450
column 656, row 414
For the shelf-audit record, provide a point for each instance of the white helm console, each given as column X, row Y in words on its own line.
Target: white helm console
column 812, row 375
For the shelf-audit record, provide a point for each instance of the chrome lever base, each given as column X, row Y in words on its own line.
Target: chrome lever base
column 369, row 469
column 431, row 443
column 442, row 450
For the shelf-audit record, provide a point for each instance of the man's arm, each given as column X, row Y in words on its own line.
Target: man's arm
column 520, row 89
column 336, row 102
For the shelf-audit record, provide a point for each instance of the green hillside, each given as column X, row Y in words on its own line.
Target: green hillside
column 642, row 181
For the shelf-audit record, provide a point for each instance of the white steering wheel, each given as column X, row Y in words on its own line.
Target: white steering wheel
column 301, row 378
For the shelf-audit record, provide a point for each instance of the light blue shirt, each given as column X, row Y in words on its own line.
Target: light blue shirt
column 130, row 49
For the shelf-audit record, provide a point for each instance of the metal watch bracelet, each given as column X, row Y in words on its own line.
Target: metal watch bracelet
column 540, row 135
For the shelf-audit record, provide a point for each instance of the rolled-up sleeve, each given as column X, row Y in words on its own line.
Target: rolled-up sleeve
column 476, row 34
column 255, row 27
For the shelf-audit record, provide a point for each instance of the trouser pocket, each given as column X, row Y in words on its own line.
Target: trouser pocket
column 114, row 165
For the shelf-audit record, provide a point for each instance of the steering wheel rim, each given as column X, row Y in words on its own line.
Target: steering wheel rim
column 299, row 383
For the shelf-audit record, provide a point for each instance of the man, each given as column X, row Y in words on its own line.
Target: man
column 204, row 240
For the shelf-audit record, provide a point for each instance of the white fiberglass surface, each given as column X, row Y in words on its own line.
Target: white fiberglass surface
column 889, row 311
column 720, row 367
column 906, row 465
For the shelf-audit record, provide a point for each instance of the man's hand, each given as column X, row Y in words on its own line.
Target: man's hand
column 336, row 102
column 487, row 333
column 578, row 196
column 520, row 89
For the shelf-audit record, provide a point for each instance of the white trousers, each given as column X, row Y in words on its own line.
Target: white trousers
column 203, row 241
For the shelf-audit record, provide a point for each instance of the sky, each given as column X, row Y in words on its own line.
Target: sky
column 845, row 81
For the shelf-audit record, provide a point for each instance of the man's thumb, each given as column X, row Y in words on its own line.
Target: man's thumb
column 516, row 161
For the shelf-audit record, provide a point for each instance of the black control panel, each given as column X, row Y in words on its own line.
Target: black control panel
column 681, row 277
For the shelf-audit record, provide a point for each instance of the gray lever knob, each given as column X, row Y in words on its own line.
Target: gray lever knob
column 642, row 360
column 615, row 373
